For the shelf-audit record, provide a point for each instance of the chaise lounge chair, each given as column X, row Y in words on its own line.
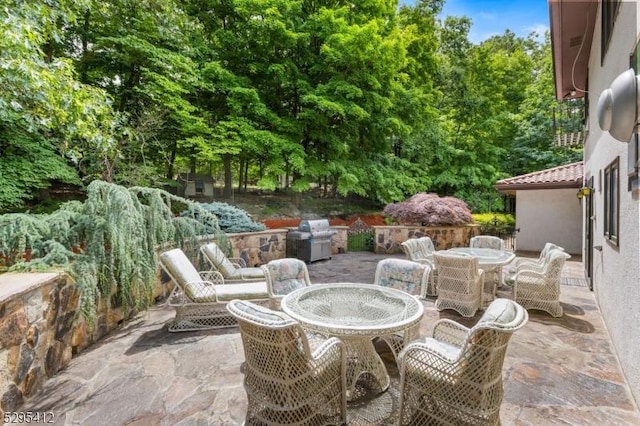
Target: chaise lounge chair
column 231, row 271
column 200, row 299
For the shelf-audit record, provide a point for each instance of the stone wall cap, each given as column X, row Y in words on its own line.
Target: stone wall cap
column 17, row 283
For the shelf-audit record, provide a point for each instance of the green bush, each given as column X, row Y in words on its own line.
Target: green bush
column 495, row 223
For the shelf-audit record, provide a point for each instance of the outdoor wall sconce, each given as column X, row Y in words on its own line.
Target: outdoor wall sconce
column 585, row 191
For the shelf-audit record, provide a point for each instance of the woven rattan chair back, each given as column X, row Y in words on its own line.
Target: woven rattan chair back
column 455, row 377
column 283, row 276
column 459, row 283
column 401, row 274
column 418, row 249
column 285, row 382
column 410, row 277
column 487, row 241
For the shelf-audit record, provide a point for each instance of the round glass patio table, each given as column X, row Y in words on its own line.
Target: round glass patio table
column 356, row 313
column 487, row 257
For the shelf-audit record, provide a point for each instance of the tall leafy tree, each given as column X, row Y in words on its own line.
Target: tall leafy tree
column 46, row 115
column 141, row 53
column 540, row 118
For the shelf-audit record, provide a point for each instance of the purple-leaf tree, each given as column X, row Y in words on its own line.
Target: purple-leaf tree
column 428, row 209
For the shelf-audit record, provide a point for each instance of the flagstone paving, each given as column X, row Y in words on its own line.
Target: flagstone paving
column 557, row 371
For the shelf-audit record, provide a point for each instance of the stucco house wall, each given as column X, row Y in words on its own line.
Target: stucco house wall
column 616, row 269
column 548, row 215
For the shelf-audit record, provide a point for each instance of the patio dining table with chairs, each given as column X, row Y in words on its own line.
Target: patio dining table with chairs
column 356, row 313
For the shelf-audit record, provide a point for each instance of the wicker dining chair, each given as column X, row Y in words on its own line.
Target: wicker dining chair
column 410, row 277
column 534, row 264
column 287, row 381
column 200, row 298
column 455, row 376
column 460, row 283
column 421, row 250
column 418, row 249
column 540, row 289
column 487, row 241
column 493, row 274
column 401, row 274
column 232, row 269
column 283, row 276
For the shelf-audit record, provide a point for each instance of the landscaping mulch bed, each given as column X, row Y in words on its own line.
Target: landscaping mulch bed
column 369, row 219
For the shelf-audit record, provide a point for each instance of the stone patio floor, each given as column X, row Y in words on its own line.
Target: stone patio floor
column 558, row 371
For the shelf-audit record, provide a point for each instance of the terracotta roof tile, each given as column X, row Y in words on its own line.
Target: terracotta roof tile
column 567, row 176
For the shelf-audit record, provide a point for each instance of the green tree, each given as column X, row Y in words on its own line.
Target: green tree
column 533, row 146
column 47, row 116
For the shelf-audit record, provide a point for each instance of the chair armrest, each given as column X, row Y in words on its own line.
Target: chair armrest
column 450, row 332
column 528, row 278
column 200, row 292
column 213, row 276
column 423, row 355
column 528, row 273
column 330, row 348
column 238, row 262
column 536, row 267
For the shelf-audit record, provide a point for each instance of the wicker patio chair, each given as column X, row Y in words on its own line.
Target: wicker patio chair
column 460, row 283
column 418, row 249
column 540, row 289
column 534, row 264
column 200, row 298
column 401, row 274
column 488, row 241
column 232, row 269
column 283, row 276
column 455, row 376
column 287, row 381
column 408, row 276
column 421, row 250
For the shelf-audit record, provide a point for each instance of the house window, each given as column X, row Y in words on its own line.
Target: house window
column 612, row 201
column 609, row 11
column 199, row 186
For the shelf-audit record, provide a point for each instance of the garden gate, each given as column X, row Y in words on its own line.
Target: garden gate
column 360, row 236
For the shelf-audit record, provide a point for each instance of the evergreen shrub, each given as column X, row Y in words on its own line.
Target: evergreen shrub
column 230, row 219
column 428, row 209
column 107, row 243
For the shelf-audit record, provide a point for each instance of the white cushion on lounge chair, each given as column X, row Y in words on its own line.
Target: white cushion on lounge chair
column 251, row 273
column 252, row 290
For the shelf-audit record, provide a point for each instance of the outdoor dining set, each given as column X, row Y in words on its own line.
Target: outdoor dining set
column 307, row 345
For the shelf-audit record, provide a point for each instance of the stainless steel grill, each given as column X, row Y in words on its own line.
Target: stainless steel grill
column 311, row 241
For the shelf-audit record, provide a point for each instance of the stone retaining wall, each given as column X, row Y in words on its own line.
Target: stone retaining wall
column 258, row 248
column 41, row 329
column 387, row 239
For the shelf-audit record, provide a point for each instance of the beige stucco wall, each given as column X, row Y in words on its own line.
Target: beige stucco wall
column 616, row 270
column 548, row 215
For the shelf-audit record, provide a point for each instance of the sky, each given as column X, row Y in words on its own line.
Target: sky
column 493, row 17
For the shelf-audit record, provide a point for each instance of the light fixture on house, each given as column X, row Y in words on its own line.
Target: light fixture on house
column 584, row 191
column 618, row 106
